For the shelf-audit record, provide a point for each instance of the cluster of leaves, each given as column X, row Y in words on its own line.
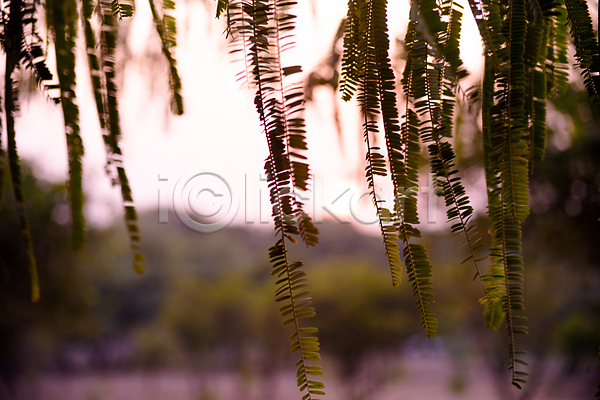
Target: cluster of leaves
column 525, row 61
column 525, row 48
column 261, row 30
column 24, row 48
column 525, row 58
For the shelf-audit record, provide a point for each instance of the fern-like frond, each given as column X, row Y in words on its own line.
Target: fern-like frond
column 493, row 313
column 122, row 8
column 514, row 161
column 450, row 41
column 536, row 96
column 296, row 305
column 291, row 97
column 166, row 29
column 417, row 76
column 508, row 233
column 102, row 75
column 418, row 269
column 403, row 152
column 224, row 7
column 110, row 109
column 587, row 51
column 427, row 15
column 391, row 126
column 17, row 184
column 437, row 67
column 110, row 122
column 62, row 19
column 376, row 87
column 261, row 30
column 131, row 221
column 411, row 149
column 407, row 207
column 96, row 75
column 488, row 18
column 12, row 44
column 33, row 56
column 506, row 162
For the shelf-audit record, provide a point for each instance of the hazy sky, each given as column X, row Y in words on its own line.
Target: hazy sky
column 220, row 131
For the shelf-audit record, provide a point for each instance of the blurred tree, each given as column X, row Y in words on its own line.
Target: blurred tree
column 31, row 332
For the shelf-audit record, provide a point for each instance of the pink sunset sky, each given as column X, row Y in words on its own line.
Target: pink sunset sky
column 220, row 130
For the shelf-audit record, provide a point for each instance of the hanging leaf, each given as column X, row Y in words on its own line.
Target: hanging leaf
column 62, row 17
column 110, row 122
column 13, row 43
column 261, row 31
column 166, row 29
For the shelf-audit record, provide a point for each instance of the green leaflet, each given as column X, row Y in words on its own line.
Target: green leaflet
column 122, row 8
column 62, row 19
